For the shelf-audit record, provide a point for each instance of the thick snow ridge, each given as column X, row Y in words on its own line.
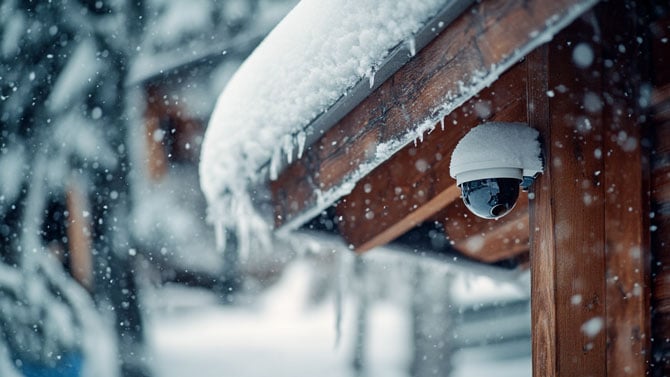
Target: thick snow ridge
column 319, row 51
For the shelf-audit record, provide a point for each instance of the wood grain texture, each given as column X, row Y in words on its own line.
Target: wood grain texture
column 488, row 240
column 543, row 263
column 626, row 181
column 467, row 49
column 414, row 184
column 567, row 247
column 590, row 248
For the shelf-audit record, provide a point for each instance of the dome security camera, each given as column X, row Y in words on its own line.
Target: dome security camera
column 492, row 162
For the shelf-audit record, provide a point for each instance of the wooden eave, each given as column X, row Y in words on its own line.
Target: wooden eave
column 444, row 85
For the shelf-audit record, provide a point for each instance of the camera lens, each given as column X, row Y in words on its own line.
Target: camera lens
column 498, row 210
column 491, row 198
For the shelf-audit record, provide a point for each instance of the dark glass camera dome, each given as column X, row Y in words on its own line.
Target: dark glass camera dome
column 490, row 198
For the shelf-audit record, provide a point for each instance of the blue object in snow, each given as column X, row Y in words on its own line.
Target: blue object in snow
column 69, row 366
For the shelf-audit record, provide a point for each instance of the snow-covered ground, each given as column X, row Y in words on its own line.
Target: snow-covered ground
column 284, row 333
column 278, row 335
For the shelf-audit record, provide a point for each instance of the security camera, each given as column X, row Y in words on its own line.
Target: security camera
column 492, row 162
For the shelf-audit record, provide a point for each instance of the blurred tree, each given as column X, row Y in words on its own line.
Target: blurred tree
column 65, row 158
column 62, row 77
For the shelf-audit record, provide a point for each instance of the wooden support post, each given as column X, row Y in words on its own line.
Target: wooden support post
column 567, row 250
column 589, row 228
column 626, row 181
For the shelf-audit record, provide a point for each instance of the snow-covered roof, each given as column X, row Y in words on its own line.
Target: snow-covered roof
column 309, row 61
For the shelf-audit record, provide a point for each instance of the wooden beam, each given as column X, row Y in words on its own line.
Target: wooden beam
column 396, row 229
column 488, row 240
column 486, row 39
column 414, row 184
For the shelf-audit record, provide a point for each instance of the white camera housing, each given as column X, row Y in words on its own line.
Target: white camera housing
column 490, row 163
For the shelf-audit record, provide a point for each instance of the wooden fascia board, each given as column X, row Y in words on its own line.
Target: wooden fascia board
column 467, row 56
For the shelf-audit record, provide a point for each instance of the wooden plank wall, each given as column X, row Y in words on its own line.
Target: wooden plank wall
column 590, row 240
column 156, row 157
column 182, row 134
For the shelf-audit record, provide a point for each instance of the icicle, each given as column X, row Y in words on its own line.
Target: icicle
column 302, row 137
column 411, row 44
column 243, row 234
column 442, row 123
column 274, row 163
column 288, row 148
column 245, row 216
column 371, row 76
column 341, row 278
column 220, row 234
column 320, row 200
column 264, row 235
